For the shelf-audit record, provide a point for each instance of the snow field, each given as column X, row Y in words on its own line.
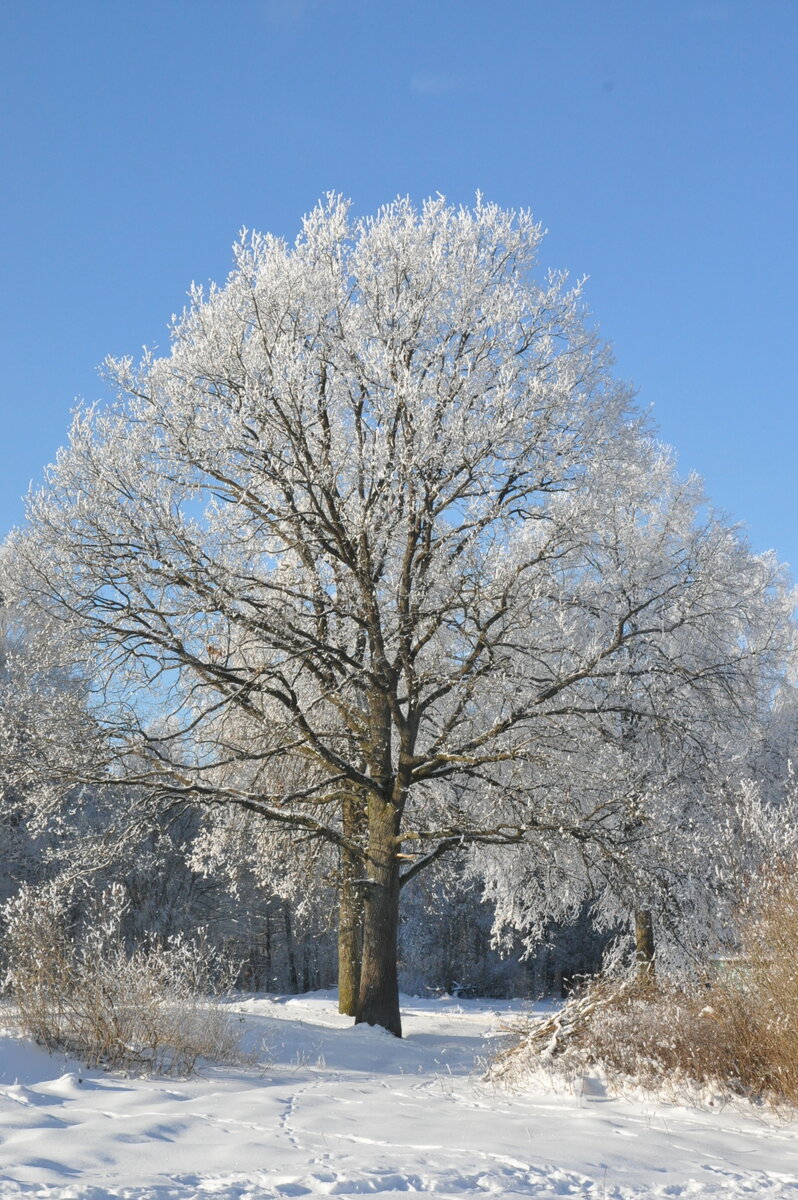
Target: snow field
column 341, row 1111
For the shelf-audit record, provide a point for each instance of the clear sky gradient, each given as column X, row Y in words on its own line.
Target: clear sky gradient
column 655, row 139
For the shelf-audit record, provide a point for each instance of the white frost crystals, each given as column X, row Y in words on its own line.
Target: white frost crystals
column 381, row 552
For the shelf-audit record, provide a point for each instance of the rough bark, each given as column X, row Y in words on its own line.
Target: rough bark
column 379, row 985
column 350, row 914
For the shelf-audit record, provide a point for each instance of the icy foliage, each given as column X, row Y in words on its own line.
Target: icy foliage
column 78, row 989
column 381, row 553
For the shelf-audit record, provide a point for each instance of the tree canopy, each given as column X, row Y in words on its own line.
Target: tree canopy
column 382, row 552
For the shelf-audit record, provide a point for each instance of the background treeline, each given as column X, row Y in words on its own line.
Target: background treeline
column 273, row 942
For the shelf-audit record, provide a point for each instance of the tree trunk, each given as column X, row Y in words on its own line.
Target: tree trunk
column 293, row 978
column 644, row 943
column 306, row 977
column 378, row 1003
column 350, row 920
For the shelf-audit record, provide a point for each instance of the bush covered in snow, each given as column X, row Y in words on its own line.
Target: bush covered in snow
column 144, row 1011
column 732, row 1027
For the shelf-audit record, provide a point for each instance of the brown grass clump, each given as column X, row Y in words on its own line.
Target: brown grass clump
column 143, row 1012
column 734, row 1031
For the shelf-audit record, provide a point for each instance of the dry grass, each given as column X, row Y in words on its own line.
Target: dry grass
column 145, row 1012
column 735, row 1031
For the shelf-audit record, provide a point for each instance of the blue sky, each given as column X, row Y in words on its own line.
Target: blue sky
column 655, row 140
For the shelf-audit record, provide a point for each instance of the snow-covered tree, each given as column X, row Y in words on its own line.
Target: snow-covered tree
column 651, row 781
column 43, row 726
column 337, row 556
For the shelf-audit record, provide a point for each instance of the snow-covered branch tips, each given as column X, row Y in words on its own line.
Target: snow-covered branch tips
column 382, row 553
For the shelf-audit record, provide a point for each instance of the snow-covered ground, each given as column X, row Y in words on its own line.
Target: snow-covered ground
column 337, row 1111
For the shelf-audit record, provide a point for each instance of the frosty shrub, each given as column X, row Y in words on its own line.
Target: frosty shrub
column 80, row 991
column 733, row 1030
column 647, row 1031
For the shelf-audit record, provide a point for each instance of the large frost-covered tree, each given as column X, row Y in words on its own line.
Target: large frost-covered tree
column 334, row 555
